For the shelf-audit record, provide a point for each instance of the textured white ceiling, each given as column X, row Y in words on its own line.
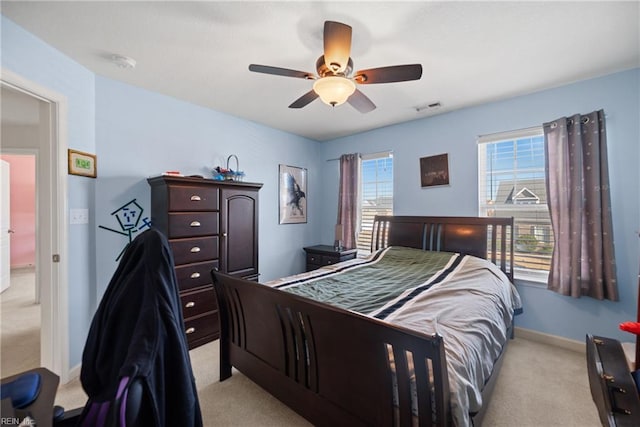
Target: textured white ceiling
column 471, row 52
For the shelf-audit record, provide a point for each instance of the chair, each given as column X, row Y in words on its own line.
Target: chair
column 136, row 368
column 30, row 393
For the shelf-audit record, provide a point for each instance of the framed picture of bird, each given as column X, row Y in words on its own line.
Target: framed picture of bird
column 293, row 195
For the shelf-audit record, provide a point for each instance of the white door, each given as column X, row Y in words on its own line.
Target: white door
column 5, row 241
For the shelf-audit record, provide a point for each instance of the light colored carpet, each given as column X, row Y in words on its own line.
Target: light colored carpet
column 20, row 330
column 539, row 385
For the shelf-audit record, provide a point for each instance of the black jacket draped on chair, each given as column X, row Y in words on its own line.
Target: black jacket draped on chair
column 137, row 332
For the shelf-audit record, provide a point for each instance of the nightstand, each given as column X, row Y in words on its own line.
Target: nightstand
column 321, row 255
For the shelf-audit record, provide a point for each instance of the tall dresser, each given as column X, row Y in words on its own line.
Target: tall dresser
column 209, row 224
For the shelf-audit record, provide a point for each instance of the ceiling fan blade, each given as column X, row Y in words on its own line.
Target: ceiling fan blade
column 361, row 102
column 280, row 71
column 337, row 45
column 304, row 99
column 396, row 73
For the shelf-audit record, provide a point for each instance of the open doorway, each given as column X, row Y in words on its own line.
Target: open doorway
column 19, row 300
column 34, row 124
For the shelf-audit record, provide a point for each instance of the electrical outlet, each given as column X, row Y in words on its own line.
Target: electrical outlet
column 78, row 216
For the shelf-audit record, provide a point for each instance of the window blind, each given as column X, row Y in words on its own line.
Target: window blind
column 512, row 183
column 376, row 193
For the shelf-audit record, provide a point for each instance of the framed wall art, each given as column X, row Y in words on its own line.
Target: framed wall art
column 83, row 164
column 293, row 195
column 434, row 170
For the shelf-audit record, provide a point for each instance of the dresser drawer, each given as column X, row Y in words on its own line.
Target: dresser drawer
column 187, row 251
column 321, row 260
column 314, row 259
column 328, row 260
column 202, row 329
column 321, row 255
column 193, row 224
column 198, row 302
column 193, row 198
column 194, row 275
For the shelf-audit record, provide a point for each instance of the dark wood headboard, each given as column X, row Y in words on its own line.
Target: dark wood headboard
column 490, row 238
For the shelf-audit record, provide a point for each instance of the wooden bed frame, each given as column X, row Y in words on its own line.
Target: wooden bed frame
column 331, row 365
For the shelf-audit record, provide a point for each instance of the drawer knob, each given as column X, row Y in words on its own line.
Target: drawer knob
column 195, row 275
column 195, row 250
column 195, row 198
column 195, row 224
column 190, row 304
column 190, row 330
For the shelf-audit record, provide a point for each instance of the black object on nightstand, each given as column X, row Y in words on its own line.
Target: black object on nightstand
column 321, row 255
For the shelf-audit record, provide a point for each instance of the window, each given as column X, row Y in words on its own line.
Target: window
column 376, row 193
column 512, row 183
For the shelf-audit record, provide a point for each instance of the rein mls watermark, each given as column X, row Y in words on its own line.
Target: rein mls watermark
column 17, row 421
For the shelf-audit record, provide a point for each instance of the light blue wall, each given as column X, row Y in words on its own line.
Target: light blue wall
column 29, row 57
column 141, row 134
column 456, row 133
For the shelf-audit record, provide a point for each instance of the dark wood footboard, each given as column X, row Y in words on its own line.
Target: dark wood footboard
column 332, row 366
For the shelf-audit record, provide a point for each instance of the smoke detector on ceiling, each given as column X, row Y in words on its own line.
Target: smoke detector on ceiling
column 123, row 61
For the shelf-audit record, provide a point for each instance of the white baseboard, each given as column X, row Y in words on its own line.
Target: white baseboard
column 74, row 372
column 629, row 348
column 19, row 268
column 554, row 340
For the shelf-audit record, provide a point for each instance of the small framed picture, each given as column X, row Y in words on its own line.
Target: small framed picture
column 293, row 195
column 434, row 170
column 83, row 164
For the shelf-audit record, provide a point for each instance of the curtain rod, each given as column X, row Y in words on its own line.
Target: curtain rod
column 511, row 133
column 366, row 154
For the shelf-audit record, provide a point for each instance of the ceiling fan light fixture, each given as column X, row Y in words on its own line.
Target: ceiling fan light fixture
column 334, row 90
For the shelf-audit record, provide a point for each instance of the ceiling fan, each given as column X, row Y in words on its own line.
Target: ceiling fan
column 334, row 83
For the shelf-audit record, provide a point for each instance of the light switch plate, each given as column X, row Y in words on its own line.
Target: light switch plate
column 78, row 216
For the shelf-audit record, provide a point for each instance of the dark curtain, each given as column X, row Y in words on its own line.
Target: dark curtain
column 347, row 225
column 579, row 200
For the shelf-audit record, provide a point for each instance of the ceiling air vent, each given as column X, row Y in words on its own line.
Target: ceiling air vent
column 428, row 107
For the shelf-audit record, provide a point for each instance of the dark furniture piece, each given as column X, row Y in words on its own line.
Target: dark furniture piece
column 321, row 255
column 613, row 389
column 332, row 365
column 210, row 225
column 41, row 410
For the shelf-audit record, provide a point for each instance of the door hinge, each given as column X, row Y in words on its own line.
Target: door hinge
column 56, row 257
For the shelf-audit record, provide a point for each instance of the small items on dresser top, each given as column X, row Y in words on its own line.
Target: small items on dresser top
column 228, row 174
